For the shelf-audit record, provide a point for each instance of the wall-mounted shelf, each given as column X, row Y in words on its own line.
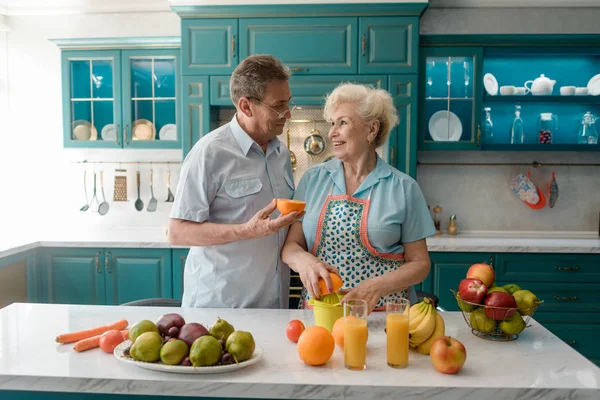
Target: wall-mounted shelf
column 542, row 99
column 540, row 147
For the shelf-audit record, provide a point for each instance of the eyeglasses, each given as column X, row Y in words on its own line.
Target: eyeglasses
column 280, row 114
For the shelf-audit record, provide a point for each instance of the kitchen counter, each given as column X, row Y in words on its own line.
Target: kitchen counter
column 536, row 365
column 499, row 242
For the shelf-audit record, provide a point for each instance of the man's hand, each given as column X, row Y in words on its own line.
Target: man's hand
column 262, row 225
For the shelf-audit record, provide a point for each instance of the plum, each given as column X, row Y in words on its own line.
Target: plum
column 173, row 331
column 186, row 362
column 192, row 331
column 167, row 321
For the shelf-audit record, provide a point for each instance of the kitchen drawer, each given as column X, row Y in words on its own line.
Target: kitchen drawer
column 567, row 297
column 581, row 333
column 515, row 268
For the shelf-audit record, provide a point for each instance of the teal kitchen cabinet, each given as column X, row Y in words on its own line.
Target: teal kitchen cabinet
column 388, row 45
column 447, row 270
column 450, row 92
column 319, row 45
column 209, row 46
column 120, row 98
column 401, row 143
column 104, row 276
column 179, row 258
column 195, row 111
column 548, row 267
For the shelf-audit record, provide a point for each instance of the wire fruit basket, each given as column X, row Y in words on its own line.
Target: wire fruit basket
column 501, row 324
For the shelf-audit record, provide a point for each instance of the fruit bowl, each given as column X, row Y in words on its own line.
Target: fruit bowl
column 502, row 324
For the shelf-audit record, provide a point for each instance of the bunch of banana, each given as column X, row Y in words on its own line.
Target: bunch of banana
column 424, row 326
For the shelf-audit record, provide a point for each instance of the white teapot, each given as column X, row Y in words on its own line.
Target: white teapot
column 540, row 86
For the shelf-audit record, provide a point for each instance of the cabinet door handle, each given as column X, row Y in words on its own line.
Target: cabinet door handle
column 118, row 130
column 575, row 268
column 363, row 44
column 572, row 342
column 478, row 135
column 126, row 133
column 107, row 263
column 393, row 157
column 491, row 264
column 566, row 298
column 98, row 269
column 299, row 69
column 233, row 46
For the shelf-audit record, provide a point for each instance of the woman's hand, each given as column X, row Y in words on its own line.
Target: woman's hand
column 367, row 291
column 312, row 271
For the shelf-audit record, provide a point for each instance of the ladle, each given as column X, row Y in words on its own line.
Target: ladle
column 139, row 204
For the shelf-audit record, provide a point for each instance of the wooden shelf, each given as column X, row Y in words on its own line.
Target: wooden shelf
column 539, row 147
column 542, row 99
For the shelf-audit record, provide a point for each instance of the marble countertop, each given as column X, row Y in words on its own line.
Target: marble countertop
column 536, row 365
column 516, row 242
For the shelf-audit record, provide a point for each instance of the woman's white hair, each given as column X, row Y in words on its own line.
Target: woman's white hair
column 371, row 105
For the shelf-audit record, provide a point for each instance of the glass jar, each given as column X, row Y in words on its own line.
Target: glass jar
column 587, row 132
column 488, row 126
column 547, row 126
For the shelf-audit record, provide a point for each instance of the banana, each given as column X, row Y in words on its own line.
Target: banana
column 440, row 330
column 416, row 314
column 426, row 327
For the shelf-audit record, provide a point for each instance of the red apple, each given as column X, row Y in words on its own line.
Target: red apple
column 500, row 299
column 483, row 272
column 472, row 290
column 448, row 355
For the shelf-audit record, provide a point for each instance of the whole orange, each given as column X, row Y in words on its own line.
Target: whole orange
column 338, row 331
column 316, row 345
column 336, row 281
column 286, row 206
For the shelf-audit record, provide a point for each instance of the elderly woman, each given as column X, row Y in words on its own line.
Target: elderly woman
column 365, row 220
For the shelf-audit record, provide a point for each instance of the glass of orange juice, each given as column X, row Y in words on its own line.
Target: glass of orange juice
column 396, row 327
column 355, row 334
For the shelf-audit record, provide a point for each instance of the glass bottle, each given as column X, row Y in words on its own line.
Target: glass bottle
column 587, row 132
column 517, row 131
column 488, row 126
column 547, row 126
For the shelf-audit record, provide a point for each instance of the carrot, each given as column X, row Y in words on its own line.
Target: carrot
column 76, row 336
column 93, row 342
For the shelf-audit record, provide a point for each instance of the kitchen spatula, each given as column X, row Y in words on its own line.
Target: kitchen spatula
column 153, row 202
column 170, row 197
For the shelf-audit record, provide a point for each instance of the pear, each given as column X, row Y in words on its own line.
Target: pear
column 525, row 301
column 240, row 345
column 481, row 322
column 205, row 351
column 142, row 327
column 497, row 289
column 511, row 287
column 513, row 325
column 173, row 352
column 147, row 347
column 465, row 306
column 221, row 329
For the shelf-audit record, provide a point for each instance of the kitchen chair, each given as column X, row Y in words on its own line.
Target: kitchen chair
column 155, row 302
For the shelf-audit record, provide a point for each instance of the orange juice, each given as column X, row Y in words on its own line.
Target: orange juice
column 396, row 326
column 355, row 343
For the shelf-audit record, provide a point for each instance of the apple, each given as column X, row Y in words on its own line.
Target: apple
column 448, row 355
column 485, row 273
column 500, row 299
column 472, row 290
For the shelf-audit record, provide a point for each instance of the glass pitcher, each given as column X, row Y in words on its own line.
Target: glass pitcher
column 587, row 133
column 547, row 126
column 488, row 126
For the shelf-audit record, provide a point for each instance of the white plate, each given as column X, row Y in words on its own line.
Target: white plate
column 168, row 132
column 594, row 85
column 109, row 133
column 180, row 369
column 491, row 84
column 445, row 126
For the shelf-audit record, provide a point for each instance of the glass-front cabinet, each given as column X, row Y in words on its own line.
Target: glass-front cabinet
column 451, row 87
column 120, row 98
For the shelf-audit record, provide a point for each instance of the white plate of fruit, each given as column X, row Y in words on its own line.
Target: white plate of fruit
column 172, row 345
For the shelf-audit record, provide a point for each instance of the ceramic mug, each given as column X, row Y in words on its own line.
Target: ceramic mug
column 507, row 90
column 581, row 91
column 567, row 90
column 519, row 91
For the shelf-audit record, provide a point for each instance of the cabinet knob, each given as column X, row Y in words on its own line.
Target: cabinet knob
column 478, row 134
column 107, row 263
column 299, row 69
column 118, row 130
column 98, row 269
column 566, row 298
column 572, row 342
column 575, row 268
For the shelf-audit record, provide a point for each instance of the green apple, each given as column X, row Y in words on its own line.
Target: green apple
column 511, row 287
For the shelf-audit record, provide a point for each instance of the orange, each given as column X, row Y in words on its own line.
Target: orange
column 338, row 331
column 336, row 281
column 286, row 206
column 316, row 345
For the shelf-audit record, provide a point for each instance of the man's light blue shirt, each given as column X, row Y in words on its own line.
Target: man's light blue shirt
column 226, row 179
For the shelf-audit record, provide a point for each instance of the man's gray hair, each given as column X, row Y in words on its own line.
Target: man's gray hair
column 253, row 74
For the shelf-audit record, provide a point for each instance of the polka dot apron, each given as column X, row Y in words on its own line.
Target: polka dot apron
column 342, row 242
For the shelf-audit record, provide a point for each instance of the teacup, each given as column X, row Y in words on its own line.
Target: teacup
column 519, row 91
column 507, row 90
column 567, row 90
column 581, row 91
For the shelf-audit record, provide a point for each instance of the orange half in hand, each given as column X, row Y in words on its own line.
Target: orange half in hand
column 286, row 206
column 336, row 281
